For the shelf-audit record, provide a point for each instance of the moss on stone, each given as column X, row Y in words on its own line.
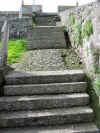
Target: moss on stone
column 33, row 25
column 89, row 11
column 87, row 29
column 77, row 33
column 71, row 19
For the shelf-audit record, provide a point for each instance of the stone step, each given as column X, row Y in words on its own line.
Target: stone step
column 37, row 89
column 48, row 28
column 35, row 102
column 44, row 77
column 47, row 44
column 46, row 117
column 46, row 23
column 73, row 128
column 55, row 34
column 46, row 37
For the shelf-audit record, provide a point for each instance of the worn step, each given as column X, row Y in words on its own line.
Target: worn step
column 55, row 88
column 46, row 44
column 47, row 117
column 43, row 102
column 73, row 128
column 47, row 29
column 44, row 77
column 46, row 35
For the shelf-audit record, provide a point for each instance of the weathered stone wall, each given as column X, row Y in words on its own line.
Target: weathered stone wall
column 63, row 8
column 47, row 19
column 81, row 14
column 89, row 47
column 18, row 26
column 79, row 11
column 37, row 8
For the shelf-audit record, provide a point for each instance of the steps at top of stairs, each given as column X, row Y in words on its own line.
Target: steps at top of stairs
column 44, row 77
column 46, row 37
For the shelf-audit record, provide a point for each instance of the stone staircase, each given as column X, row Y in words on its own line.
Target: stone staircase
column 46, row 37
column 46, row 102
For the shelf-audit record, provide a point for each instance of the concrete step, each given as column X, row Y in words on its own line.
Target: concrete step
column 44, row 77
column 73, row 128
column 35, row 102
column 46, row 117
column 37, row 89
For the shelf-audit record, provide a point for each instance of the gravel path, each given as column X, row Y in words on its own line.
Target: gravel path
column 48, row 60
column 44, row 60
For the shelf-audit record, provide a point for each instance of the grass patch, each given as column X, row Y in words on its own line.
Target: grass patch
column 15, row 50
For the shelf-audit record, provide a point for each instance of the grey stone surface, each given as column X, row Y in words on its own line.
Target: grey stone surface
column 1, row 77
column 79, row 11
column 44, row 77
column 1, row 82
column 63, row 8
column 41, row 60
column 18, row 26
column 43, row 102
column 46, row 37
column 88, row 46
column 47, row 19
column 73, row 128
column 46, row 117
column 55, row 88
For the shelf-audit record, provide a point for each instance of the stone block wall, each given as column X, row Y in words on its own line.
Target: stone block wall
column 47, row 19
column 81, row 14
column 37, row 8
column 63, row 8
column 89, row 48
column 78, row 11
column 18, row 27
